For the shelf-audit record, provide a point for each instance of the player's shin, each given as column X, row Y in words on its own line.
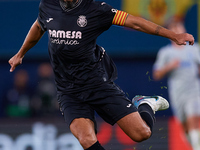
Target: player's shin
column 147, row 115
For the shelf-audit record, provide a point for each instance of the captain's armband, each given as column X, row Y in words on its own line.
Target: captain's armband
column 119, row 18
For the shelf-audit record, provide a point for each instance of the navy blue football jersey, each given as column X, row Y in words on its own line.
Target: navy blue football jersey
column 77, row 61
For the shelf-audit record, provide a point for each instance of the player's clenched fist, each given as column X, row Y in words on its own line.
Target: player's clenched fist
column 14, row 62
column 183, row 38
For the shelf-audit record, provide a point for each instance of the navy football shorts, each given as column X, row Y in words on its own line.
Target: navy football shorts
column 111, row 105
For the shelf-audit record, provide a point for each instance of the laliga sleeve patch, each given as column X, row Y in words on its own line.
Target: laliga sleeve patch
column 119, row 18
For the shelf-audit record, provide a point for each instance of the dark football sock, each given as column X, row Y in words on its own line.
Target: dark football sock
column 147, row 115
column 96, row 146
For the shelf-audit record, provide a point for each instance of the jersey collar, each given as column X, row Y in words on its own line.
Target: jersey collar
column 69, row 9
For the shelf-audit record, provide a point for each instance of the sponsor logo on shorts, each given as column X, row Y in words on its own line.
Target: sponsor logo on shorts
column 129, row 105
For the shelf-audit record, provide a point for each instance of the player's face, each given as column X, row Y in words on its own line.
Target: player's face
column 178, row 28
column 69, row 3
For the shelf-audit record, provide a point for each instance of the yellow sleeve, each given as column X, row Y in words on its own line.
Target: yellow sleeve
column 119, row 18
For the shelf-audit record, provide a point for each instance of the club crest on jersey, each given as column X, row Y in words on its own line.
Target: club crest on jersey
column 82, row 21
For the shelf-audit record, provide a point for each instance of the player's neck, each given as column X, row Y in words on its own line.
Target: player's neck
column 68, row 4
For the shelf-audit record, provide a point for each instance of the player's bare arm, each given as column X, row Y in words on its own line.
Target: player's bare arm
column 33, row 36
column 146, row 26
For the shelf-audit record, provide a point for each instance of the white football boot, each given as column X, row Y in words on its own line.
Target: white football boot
column 157, row 103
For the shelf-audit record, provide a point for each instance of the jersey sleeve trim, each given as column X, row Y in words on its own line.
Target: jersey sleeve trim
column 120, row 18
column 40, row 25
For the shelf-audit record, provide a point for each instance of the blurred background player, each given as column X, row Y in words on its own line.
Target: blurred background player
column 181, row 64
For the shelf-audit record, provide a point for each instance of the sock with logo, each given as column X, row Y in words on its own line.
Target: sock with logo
column 96, row 146
column 147, row 115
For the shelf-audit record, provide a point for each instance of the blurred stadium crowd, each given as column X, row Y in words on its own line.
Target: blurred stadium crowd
column 22, row 99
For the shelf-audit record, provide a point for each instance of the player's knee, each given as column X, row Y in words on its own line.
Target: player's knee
column 143, row 135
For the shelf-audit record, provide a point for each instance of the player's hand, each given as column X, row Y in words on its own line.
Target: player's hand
column 14, row 62
column 174, row 64
column 183, row 38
